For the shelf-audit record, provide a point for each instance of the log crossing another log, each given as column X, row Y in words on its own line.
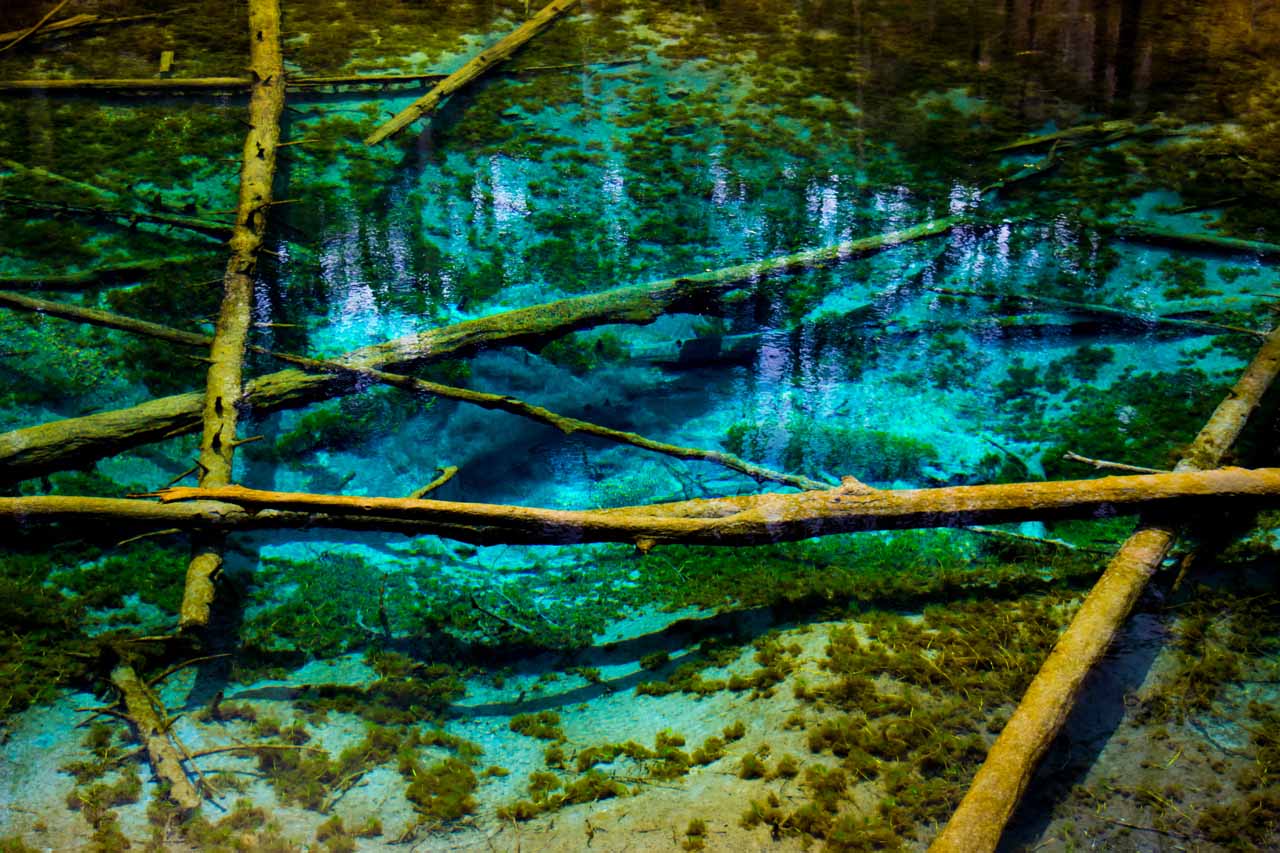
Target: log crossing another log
column 473, row 69
column 746, row 520
column 224, row 388
column 72, row 442
column 1002, row 779
column 498, row 402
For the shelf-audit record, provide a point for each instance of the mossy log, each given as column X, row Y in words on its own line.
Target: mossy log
column 473, row 69
column 1109, row 131
column 1136, row 317
column 146, row 713
column 78, row 23
column 1002, row 779
column 498, row 402
column 224, row 386
column 293, row 83
column 1140, row 232
column 129, row 85
column 104, row 276
column 23, row 35
column 745, row 520
column 131, row 218
column 74, row 442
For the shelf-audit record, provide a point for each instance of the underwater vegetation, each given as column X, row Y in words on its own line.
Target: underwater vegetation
column 362, row 690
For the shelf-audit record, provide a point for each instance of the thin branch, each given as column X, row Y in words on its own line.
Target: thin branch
column 1101, row 464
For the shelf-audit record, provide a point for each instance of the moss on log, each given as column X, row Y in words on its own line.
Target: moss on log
column 74, row 442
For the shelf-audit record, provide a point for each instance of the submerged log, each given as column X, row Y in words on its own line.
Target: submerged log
column 224, row 387
column 23, row 35
column 498, row 402
column 146, row 713
column 746, row 520
column 79, row 441
column 66, row 26
column 179, row 85
column 1002, row 779
column 208, row 227
column 129, row 85
column 473, row 69
column 1140, row 232
column 1136, row 317
column 104, row 276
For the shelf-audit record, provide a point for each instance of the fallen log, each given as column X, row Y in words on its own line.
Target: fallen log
column 73, row 442
column 44, row 174
column 146, row 713
column 979, row 821
column 104, row 276
column 207, row 227
column 473, row 69
column 65, row 26
column 23, row 35
column 129, row 85
column 224, row 387
column 1108, row 131
column 299, row 83
column 1140, row 232
column 1136, row 317
column 498, row 402
column 745, row 520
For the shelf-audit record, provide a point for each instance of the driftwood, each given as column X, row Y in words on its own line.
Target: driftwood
column 79, row 441
column 146, row 713
column 473, row 69
column 224, row 388
column 999, row 784
column 745, row 520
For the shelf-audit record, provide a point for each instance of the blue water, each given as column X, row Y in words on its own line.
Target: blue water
column 683, row 138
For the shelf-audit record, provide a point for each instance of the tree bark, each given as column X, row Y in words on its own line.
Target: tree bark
column 145, row 713
column 224, row 388
column 73, row 442
column 745, row 520
column 474, row 68
column 980, row 819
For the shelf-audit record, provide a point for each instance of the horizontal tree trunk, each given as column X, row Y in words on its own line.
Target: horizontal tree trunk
column 747, row 520
column 74, row 442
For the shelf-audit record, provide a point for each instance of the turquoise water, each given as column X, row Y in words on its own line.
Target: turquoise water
column 1086, row 300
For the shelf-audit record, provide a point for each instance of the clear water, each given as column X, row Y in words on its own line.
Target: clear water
column 680, row 138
